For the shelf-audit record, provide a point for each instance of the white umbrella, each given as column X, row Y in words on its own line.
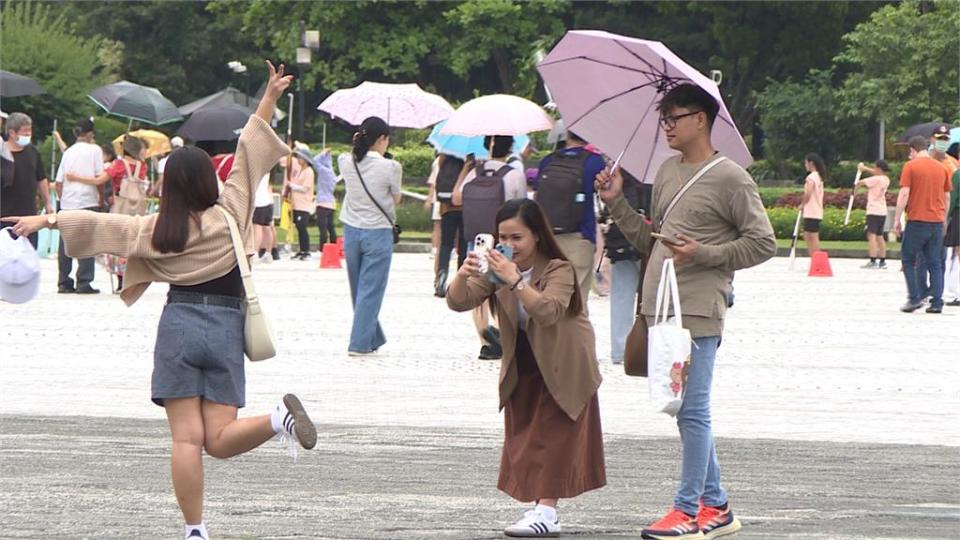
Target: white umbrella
column 399, row 105
column 497, row 114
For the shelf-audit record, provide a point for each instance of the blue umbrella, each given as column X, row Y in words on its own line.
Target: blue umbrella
column 461, row 145
column 955, row 135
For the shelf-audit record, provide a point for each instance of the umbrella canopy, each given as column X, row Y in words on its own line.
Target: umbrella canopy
column 497, row 114
column 924, row 130
column 135, row 102
column 157, row 143
column 461, row 145
column 607, row 87
column 14, row 85
column 955, row 135
column 215, row 123
column 400, row 105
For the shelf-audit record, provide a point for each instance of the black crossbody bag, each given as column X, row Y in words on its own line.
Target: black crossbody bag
column 396, row 228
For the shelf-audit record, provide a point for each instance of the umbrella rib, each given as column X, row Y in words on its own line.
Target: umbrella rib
column 640, row 58
column 602, row 62
column 610, row 98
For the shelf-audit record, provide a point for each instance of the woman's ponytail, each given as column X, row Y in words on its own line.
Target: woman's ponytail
column 370, row 130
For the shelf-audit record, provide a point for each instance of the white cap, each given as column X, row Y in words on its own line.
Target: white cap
column 19, row 269
column 176, row 142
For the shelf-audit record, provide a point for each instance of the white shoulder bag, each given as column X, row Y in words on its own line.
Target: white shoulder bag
column 669, row 347
column 258, row 341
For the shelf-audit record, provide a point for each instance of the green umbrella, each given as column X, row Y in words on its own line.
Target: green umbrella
column 136, row 102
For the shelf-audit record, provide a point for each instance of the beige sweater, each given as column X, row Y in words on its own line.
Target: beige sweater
column 209, row 250
column 724, row 213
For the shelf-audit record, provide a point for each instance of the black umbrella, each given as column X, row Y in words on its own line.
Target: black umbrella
column 136, row 102
column 215, row 123
column 14, row 85
column 229, row 96
column 924, row 130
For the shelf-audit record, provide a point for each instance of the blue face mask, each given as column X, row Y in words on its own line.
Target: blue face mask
column 941, row 146
column 23, row 140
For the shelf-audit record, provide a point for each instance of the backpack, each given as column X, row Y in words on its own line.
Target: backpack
column 131, row 199
column 560, row 191
column 447, row 178
column 638, row 196
column 482, row 198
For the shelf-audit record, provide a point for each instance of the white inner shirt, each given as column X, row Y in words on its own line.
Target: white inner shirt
column 522, row 313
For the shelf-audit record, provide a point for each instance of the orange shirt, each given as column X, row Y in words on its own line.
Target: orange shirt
column 928, row 181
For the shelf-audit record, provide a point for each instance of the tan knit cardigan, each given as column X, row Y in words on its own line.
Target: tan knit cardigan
column 209, row 251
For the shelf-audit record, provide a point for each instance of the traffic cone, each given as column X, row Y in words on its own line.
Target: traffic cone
column 340, row 246
column 329, row 257
column 820, row 265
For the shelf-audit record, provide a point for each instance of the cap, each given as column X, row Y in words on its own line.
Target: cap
column 19, row 269
column 942, row 132
column 176, row 142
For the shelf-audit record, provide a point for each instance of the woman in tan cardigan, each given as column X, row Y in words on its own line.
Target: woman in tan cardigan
column 198, row 370
column 553, row 444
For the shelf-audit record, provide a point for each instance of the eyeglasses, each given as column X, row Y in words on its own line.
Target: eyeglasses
column 670, row 122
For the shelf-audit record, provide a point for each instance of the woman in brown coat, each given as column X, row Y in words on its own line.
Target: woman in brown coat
column 553, row 444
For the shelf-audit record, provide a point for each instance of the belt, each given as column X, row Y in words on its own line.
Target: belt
column 185, row 297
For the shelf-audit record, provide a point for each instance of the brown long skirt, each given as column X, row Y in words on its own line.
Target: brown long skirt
column 547, row 455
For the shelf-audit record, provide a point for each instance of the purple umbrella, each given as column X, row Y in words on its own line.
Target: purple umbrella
column 607, row 87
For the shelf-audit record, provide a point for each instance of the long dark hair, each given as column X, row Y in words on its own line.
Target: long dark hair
column 818, row 165
column 189, row 187
column 366, row 136
column 531, row 215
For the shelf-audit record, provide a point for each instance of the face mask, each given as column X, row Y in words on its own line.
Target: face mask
column 23, row 140
column 941, row 146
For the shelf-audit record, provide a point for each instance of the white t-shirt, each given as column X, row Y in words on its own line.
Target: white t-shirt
column 263, row 197
column 162, row 164
column 82, row 159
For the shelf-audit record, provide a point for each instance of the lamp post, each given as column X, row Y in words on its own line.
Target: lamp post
column 237, row 66
column 309, row 41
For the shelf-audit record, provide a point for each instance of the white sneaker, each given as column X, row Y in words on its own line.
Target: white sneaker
column 534, row 525
column 266, row 258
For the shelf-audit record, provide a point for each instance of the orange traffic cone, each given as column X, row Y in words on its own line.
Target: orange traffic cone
column 340, row 246
column 820, row 265
column 330, row 257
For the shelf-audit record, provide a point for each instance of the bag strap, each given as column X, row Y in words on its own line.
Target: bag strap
column 676, row 198
column 242, row 261
column 364, row 184
column 667, row 291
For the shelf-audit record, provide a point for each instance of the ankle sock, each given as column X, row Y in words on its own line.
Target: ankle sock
column 873, row 259
column 261, row 252
column 883, row 260
column 189, row 530
column 281, row 420
column 548, row 512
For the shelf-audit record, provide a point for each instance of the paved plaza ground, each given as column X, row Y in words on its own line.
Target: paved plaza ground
column 837, row 417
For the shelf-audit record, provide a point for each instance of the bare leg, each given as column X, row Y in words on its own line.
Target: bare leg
column 258, row 236
column 813, row 242
column 881, row 246
column 872, row 245
column 225, row 436
column 186, row 426
column 552, row 503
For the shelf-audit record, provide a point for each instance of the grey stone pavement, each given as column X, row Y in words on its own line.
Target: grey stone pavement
column 837, row 417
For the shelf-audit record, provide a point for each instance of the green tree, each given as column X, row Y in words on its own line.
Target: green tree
column 905, row 59
column 37, row 41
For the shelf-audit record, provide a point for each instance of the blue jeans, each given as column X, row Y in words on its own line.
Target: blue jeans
column 368, row 253
column 700, row 472
column 624, row 279
column 926, row 239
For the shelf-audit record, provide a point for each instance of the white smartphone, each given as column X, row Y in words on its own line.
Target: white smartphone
column 482, row 243
column 668, row 239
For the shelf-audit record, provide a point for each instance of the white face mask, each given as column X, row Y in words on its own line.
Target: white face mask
column 23, row 140
column 941, row 146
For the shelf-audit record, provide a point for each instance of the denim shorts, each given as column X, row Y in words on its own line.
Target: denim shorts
column 199, row 349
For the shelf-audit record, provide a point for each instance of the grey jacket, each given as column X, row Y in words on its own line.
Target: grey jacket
column 723, row 212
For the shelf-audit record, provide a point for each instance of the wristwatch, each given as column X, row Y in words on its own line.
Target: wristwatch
column 52, row 220
column 521, row 286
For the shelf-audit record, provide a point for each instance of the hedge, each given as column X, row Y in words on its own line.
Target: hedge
column 416, row 160
column 835, row 199
column 831, row 228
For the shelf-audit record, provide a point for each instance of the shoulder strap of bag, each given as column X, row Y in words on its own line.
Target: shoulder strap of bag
column 364, row 184
column 676, row 198
column 242, row 261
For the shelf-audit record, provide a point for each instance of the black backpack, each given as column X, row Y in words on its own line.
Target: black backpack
column 639, row 197
column 482, row 198
column 447, row 177
column 560, row 191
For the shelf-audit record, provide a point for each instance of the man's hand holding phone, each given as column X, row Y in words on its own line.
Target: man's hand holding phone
column 682, row 246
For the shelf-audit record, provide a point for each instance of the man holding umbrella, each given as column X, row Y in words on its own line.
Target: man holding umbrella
column 713, row 227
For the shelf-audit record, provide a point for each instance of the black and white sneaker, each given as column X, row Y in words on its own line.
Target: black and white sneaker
column 297, row 424
column 534, row 524
column 195, row 534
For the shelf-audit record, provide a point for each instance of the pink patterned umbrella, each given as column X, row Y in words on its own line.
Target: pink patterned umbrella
column 607, row 87
column 399, row 105
column 497, row 114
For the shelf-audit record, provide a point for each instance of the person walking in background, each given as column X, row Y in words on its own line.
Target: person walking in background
column 198, row 371
column 812, row 204
column 326, row 202
column 952, row 240
column 372, row 184
column 105, row 190
column 924, row 190
column 451, row 220
column 264, row 235
column 565, row 192
column 82, row 161
column 553, row 441
column 876, row 184
column 302, row 199
column 22, row 175
column 730, row 232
